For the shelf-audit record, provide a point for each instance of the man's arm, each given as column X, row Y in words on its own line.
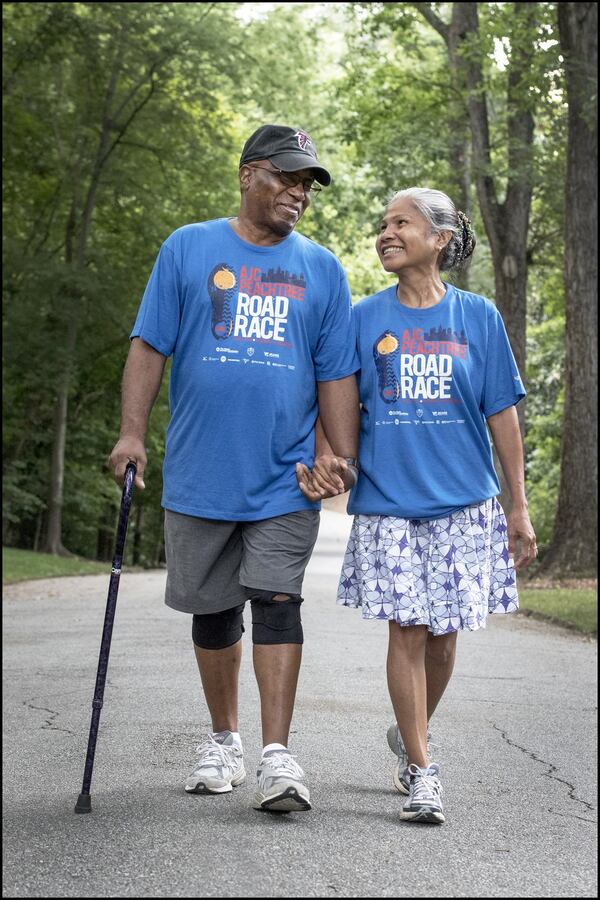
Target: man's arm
column 339, row 412
column 336, row 439
column 142, row 378
column 506, row 435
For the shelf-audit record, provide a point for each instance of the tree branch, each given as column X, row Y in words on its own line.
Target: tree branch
column 434, row 20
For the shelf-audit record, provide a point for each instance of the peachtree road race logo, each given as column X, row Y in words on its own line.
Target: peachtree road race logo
column 418, row 366
column 252, row 305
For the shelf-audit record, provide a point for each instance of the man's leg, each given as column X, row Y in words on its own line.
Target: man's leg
column 218, row 648
column 219, row 672
column 203, row 560
column 277, row 638
column 276, row 552
column 276, row 667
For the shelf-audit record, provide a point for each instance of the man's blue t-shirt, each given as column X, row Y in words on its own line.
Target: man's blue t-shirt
column 429, row 379
column 251, row 330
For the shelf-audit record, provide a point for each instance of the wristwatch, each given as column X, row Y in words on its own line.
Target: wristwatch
column 352, row 466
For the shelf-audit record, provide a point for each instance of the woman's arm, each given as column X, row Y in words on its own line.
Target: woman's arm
column 506, row 435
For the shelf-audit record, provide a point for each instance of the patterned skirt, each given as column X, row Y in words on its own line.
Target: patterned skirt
column 447, row 574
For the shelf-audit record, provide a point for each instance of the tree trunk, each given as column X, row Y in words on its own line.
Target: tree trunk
column 38, row 531
column 507, row 223
column 574, row 548
column 53, row 542
column 137, row 534
column 107, row 529
column 510, row 271
column 159, row 551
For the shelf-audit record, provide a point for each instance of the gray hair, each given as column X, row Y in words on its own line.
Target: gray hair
column 442, row 215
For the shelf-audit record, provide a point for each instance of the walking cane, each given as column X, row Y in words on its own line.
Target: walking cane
column 84, row 801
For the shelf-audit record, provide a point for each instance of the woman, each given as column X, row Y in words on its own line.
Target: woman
column 430, row 549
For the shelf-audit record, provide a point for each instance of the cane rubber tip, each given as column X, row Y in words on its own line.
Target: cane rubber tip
column 84, row 804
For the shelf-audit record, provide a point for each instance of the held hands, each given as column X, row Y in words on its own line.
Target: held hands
column 330, row 476
column 522, row 536
column 128, row 449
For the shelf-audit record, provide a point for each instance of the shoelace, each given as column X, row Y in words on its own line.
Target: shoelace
column 285, row 763
column 211, row 752
column 425, row 787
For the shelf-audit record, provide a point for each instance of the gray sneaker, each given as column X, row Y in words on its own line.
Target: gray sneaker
column 220, row 766
column 396, row 745
column 424, row 802
column 281, row 784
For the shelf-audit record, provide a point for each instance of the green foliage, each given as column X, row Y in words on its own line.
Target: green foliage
column 545, row 386
column 141, row 110
column 157, row 71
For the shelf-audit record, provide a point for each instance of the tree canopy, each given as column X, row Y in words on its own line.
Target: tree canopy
column 124, row 121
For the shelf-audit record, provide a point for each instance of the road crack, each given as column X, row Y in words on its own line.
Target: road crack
column 550, row 773
column 49, row 724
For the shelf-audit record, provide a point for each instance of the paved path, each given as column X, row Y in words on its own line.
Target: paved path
column 516, row 733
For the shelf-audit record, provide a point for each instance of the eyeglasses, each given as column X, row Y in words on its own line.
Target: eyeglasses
column 290, row 179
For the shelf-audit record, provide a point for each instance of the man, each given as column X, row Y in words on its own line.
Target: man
column 257, row 319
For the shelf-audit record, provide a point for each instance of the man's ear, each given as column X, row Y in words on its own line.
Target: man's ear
column 245, row 177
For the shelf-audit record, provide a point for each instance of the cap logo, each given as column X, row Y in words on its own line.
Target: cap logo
column 303, row 139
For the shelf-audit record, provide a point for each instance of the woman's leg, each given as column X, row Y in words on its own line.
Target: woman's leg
column 440, row 654
column 407, row 684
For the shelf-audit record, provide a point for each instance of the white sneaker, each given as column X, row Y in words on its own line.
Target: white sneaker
column 424, row 802
column 396, row 745
column 220, row 766
column 281, row 786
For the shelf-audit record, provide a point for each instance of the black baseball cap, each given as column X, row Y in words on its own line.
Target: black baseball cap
column 290, row 149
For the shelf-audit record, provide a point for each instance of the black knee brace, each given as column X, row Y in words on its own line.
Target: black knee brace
column 275, row 621
column 215, row 631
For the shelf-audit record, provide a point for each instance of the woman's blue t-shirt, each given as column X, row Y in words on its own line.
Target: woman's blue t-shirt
column 251, row 330
column 429, row 379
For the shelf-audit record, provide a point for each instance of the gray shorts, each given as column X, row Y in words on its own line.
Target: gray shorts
column 210, row 562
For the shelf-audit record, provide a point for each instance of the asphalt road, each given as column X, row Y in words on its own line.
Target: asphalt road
column 516, row 737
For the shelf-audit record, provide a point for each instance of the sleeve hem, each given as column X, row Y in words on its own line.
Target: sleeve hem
column 502, row 404
column 337, row 377
column 155, row 343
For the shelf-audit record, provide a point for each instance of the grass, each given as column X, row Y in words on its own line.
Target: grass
column 22, row 565
column 574, row 607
